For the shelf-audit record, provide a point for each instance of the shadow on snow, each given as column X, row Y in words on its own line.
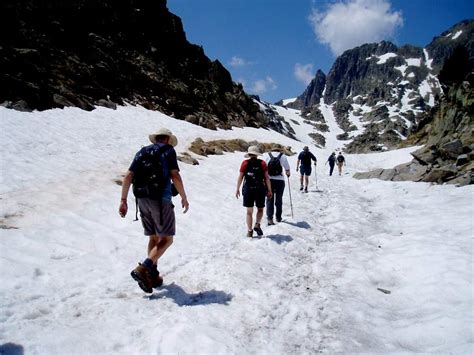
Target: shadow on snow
column 280, row 239
column 11, row 349
column 302, row 224
column 182, row 298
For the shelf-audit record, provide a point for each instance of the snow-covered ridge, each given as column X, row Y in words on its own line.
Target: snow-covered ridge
column 288, row 101
column 455, row 35
column 382, row 59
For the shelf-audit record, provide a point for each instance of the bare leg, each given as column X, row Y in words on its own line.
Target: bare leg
column 158, row 246
column 306, row 180
column 259, row 216
column 250, row 218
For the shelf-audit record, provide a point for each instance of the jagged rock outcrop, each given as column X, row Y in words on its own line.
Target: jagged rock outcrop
column 105, row 52
column 379, row 92
column 313, row 93
column 446, row 132
column 442, row 46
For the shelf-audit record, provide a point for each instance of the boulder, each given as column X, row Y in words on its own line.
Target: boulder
column 452, row 149
column 462, row 159
column 440, row 175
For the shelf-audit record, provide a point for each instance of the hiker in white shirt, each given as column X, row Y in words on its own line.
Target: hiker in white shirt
column 277, row 169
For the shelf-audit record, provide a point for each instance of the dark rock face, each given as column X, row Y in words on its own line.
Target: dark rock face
column 106, row 52
column 442, row 47
column 313, row 93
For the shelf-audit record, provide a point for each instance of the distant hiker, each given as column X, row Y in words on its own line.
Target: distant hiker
column 305, row 158
column 151, row 173
column 340, row 160
column 332, row 161
column 277, row 164
column 254, row 174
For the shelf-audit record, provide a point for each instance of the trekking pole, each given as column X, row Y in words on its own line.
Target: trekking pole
column 316, row 177
column 289, row 191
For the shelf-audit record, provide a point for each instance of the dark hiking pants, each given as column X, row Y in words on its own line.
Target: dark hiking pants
column 278, row 186
column 331, row 168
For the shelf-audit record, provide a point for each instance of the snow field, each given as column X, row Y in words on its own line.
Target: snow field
column 309, row 285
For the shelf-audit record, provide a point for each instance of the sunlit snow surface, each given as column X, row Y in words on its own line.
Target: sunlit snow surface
column 312, row 284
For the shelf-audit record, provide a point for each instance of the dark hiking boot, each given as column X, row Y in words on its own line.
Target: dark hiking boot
column 270, row 222
column 278, row 219
column 142, row 275
column 156, row 279
column 301, row 188
column 258, row 229
column 250, row 234
column 306, row 189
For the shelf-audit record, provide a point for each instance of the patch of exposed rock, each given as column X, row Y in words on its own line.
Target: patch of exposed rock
column 218, row 147
column 448, row 133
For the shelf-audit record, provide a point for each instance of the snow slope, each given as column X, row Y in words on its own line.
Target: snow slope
column 311, row 285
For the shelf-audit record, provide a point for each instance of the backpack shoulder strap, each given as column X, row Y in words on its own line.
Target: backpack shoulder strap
column 270, row 154
column 279, row 156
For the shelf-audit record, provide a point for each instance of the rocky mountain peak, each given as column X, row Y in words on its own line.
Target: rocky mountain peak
column 313, row 93
column 379, row 92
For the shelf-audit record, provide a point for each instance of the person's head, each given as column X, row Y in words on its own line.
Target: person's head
column 253, row 152
column 306, row 148
column 340, row 153
column 333, row 153
column 165, row 136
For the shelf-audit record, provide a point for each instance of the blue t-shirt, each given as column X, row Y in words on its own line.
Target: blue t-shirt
column 168, row 161
column 305, row 157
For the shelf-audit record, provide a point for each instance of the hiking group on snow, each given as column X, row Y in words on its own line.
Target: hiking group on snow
column 155, row 179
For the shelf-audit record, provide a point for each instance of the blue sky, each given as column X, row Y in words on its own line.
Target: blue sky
column 274, row 47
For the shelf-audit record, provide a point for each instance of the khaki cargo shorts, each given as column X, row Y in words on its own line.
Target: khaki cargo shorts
column 150, row 215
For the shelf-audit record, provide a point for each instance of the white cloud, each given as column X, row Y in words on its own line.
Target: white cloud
column 238, row 62
column 304, row 73
column 347, row 24
column 263, row 85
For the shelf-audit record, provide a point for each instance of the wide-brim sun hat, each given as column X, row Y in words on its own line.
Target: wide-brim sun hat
column 164, row 132
column 253, row 151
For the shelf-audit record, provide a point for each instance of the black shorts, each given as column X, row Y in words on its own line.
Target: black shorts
column 254, row 197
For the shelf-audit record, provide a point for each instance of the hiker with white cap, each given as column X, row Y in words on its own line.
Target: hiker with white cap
column 151, row 173
column 254, row 175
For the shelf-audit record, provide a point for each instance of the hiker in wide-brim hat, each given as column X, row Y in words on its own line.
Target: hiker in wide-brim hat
column 164, row 132
column 151, row 173
column 253, row 151
column 256, row 186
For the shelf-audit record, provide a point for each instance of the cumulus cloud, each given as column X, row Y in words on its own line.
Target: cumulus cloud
column 304, row 73
column 347, row 24
column 237, row 62
column 263, row 85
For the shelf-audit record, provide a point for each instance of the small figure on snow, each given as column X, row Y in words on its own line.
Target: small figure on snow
column 254, row 175
column 332, row 161
column 305, row 158
column 340, row 160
